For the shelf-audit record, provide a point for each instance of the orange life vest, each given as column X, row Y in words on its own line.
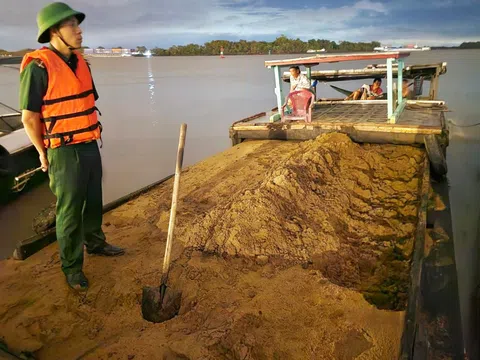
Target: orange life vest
column 68, row 111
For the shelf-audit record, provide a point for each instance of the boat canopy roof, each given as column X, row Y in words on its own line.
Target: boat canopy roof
column 426, row 71
column 331, row 58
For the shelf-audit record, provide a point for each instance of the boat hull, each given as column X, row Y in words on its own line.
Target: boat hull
column 17, row 157
column 16, row 164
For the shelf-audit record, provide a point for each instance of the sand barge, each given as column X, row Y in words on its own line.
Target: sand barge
column 287, row 250
column 315, row 250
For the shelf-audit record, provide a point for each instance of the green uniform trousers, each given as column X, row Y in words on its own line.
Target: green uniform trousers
column 75, row 173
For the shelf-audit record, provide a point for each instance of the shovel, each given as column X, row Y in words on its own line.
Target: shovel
column 158, row 304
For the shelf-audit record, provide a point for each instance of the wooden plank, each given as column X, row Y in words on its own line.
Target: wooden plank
column 386, row 128
column 319, row 59
column 310, row 133
column 434, row 87
column 253, row 117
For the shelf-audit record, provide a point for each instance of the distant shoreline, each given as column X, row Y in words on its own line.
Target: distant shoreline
column 282, row 45
column 16, row 60
column 10, row 60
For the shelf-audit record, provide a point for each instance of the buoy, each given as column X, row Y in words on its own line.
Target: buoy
column 221, row 53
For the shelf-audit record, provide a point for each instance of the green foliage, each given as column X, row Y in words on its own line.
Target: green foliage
column 281, row 45
column 470, row 45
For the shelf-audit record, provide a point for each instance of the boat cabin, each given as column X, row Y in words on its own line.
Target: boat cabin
column 390, row 120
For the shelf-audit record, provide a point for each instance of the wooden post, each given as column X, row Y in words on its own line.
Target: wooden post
column 434, row 86
column 309, row 73
column 278, row 87
column 309, row 76
column 389, row 88
column 400, row 81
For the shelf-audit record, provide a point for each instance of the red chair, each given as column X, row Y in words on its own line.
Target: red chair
column 302, row 102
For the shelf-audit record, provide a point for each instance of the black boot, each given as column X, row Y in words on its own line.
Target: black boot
column 107, row 250
column 77, row 281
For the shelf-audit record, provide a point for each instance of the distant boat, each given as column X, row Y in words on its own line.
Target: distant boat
column 408, row 48
column 311, row 51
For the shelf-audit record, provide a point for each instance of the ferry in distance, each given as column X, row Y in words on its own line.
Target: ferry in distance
column 311, row 51
column 408, row 48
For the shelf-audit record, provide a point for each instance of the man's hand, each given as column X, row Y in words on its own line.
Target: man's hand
column 44, row 162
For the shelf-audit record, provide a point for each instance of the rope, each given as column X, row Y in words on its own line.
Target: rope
column 431, row 107
column 462, row 126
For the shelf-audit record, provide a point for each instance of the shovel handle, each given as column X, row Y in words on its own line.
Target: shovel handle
column 173, row 210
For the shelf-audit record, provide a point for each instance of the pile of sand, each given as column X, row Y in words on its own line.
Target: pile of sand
column 349, row 210
column 276, row 245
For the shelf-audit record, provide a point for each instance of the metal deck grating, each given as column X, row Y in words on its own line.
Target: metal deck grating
column 363, row 114
column 423, row 117
column 352, row 113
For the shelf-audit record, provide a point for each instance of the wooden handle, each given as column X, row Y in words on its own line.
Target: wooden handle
column 173, row 210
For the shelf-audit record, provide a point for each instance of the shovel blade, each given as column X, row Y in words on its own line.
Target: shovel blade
column 157, row 311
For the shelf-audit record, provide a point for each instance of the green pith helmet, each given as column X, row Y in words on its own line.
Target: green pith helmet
column 51, row 15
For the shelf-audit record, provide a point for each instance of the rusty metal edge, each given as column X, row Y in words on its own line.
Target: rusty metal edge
column 411, row 314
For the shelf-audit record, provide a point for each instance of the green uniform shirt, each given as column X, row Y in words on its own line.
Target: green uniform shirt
column 34, row 83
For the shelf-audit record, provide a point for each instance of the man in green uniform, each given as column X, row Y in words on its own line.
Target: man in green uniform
column 75, row 170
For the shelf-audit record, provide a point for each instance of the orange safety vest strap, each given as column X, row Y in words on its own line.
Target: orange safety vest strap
column 70, row 134
column 53, row 119
column 67, row 98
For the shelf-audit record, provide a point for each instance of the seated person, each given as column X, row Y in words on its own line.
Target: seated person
column 406, row 92
column 298, row 81
column 367, row 92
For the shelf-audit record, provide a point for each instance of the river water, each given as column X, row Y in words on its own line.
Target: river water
column 144, row 100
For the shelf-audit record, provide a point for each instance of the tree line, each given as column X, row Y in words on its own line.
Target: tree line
column 470, row 45
column 281, row 45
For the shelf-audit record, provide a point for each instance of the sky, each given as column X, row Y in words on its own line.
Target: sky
column 161, row 23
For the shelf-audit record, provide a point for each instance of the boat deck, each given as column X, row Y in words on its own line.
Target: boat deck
column 363, row 121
